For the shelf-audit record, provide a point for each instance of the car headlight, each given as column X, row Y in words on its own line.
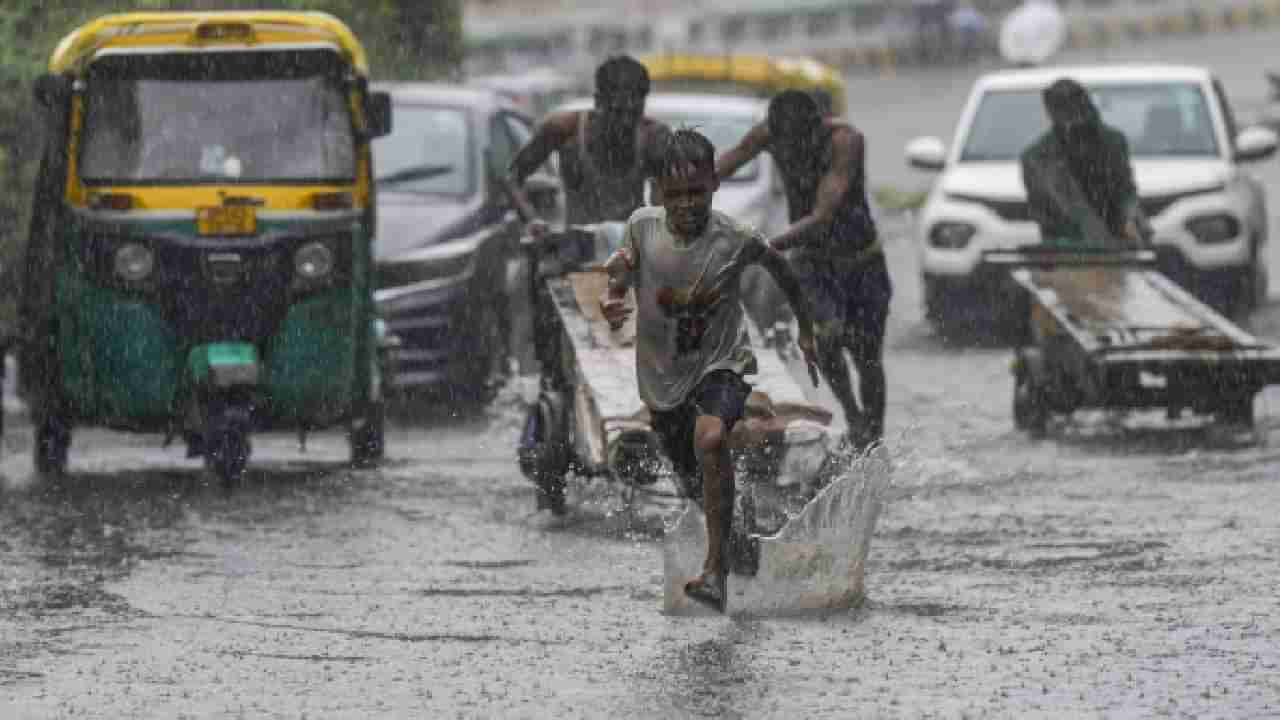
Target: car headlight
column 313, row 261
column 134, row 262
column 951, row 235
column 1214, row 229
column 450, row 262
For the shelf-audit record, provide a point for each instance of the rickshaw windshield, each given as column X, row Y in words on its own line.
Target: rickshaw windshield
column 217, row 117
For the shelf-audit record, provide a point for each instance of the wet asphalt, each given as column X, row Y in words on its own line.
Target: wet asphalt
column 1125, row 566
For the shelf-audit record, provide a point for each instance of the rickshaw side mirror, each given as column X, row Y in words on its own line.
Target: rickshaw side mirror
column 53, row 91
column 378, row 114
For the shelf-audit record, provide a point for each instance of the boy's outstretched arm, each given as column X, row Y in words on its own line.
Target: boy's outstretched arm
column 789, row 283
column 620, row 267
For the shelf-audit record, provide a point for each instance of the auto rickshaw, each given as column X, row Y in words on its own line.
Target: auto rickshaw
column 757, row 75
column 199, row 257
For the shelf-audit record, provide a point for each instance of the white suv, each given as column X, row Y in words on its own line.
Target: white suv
column 1209, row 217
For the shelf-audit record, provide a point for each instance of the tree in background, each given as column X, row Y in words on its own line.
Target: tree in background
column 406, row 40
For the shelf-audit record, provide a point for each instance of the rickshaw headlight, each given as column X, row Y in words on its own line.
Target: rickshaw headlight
column 313, row 261
column 134, row 262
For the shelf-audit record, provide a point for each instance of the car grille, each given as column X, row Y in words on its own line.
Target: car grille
column 1017, row 211
column 1011, row 210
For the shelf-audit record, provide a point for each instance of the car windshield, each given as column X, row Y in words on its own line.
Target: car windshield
column 1159, row 119
column 238, row 117
column 724, row 131
column 427, row 152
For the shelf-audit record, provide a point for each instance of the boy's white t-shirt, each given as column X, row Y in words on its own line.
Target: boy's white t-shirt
column 689, row 316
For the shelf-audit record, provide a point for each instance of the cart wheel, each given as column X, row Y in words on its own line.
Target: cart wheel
column 227, row 455
column 1029, row 410
column 1237, row 410
column 368, row 443
column 53, row 443
column 544, row 454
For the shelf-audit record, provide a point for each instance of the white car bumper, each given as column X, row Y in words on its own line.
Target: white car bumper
column 1003, row 225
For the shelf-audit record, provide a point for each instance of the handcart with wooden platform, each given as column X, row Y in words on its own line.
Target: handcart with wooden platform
column 589, row 420
column 1105, row 329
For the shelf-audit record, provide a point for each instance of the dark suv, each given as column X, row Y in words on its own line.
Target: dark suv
column 447, row 245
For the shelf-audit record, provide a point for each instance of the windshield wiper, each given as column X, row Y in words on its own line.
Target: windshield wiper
column 414, row 172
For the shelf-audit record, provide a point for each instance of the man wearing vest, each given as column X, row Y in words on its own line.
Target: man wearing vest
column 834, row 247
column 607, row 155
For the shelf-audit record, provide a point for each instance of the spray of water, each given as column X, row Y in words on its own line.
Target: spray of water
column 816, row 561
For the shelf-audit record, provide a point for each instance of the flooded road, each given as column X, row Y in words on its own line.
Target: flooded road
column 1124, row 566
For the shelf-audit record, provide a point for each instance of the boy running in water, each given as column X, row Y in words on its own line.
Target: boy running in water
column 684, row 261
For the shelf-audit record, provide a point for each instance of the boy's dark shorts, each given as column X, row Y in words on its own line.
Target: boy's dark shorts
column 722, row 393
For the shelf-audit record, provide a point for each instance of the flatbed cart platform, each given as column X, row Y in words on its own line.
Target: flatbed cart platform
column 1104, row 329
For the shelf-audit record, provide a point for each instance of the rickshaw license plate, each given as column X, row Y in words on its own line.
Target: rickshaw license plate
column 227, row 220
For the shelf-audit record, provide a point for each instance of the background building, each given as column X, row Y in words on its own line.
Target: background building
column 508, row 35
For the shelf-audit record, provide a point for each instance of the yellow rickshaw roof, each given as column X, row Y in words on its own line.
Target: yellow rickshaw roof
column 182, row 29
column 767, row 72
column 753, row 69
column 809, row 70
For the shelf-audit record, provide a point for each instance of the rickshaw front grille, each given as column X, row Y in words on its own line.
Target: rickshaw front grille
column 221, row 288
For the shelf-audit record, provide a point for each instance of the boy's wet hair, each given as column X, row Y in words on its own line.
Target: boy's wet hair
column 687, row 152
column 622, row 73
column 790, row 109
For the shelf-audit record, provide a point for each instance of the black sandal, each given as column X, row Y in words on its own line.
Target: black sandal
column 707, row 592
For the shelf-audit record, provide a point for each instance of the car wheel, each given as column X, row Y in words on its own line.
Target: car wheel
column 486, row 365
column 1248, row 291
column 933, row 301
column 1259, row 279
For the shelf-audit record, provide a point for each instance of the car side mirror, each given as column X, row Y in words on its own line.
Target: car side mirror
column 53, row 91
column 927, row 153
column 378, row 114
column 1255, row 143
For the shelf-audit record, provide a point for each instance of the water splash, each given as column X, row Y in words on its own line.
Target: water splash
column 815, row 561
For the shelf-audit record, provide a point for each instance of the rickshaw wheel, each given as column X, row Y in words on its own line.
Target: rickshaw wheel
column 52, row 446
column 1029, row 410
column 228, row 455
column 368, row 443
